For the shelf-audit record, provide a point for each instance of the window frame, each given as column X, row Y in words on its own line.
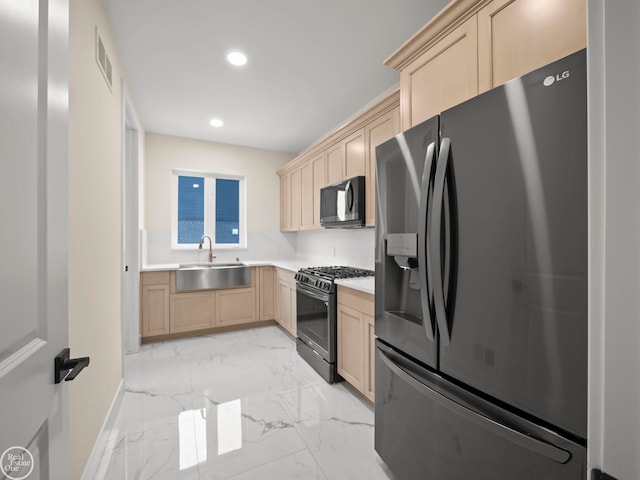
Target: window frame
column 209, row 209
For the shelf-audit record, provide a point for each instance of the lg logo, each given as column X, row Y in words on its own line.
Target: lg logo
column 550, row 80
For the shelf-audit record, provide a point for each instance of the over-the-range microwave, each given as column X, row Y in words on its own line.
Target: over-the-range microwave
column 342, row 204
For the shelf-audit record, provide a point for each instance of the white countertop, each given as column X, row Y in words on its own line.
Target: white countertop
column 293, row 265
column 364, row 284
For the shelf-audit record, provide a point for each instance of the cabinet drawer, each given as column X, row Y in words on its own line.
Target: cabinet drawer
column 287, row 276
column 360, row 301
column 155, row 278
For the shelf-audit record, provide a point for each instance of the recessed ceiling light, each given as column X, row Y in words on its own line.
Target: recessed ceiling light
column 216, row 122
column 237, row 58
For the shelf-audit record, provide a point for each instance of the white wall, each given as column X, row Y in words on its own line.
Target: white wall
column 165, row 153
column 95, row 227
column 614, row 165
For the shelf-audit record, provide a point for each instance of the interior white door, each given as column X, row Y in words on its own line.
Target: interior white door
column 131, row 270
column 33, row 243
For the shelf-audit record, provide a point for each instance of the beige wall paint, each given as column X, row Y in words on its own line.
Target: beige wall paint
column 165, row 153
column 95, row 227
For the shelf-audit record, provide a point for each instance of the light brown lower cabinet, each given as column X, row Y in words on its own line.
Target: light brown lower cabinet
column 154, row 304
column 356, row 340
column 235, row 306
column 286, row 300
column 267, row 292
column 165, row 312
column 192, row 311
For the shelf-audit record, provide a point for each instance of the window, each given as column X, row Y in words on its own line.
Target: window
column 208, row 204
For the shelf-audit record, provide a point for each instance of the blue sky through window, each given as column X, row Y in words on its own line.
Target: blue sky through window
column 227, row 211
column 190, row 209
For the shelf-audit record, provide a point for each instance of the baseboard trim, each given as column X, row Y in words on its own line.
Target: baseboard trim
column 93, row 463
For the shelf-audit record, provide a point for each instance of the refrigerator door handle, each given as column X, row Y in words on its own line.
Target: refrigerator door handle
column 539, row 447
column 424, row 255
column 435, row 244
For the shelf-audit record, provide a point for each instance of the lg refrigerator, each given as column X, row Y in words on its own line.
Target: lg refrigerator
column 481, row 286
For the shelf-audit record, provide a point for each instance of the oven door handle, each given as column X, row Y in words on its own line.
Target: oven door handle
column 313, row 294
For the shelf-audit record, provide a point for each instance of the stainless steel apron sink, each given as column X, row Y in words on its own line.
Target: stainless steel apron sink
column 205, row 276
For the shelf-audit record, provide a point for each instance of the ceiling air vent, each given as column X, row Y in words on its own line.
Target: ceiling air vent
column 103, row 61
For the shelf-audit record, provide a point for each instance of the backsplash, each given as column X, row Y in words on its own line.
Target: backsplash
column 156, row 248
column 352, row 247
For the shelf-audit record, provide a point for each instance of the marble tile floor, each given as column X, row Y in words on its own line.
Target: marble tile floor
column 239, row 405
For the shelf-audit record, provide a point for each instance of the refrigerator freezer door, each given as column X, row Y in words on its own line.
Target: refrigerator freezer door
column 403, row 316
column 428, row 429
column 519, row 323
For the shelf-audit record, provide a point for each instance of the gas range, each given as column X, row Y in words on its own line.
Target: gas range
column 316, row 316
column 322, row 278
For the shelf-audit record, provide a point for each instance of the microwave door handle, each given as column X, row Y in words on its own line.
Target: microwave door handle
column 435, row 246
column 349, row 200
column 424, row 260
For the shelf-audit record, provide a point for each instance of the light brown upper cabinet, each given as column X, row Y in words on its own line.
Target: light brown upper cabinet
column 295, row 199
column 347, row 152
column 285, row 202
column 375, row 133
column 319, row 181
column 346, row 159
column 443, row 76
column 471, row 46
column 306, row 196
column 354, row 161
column 518, row 36
column 290, row 201
column 335, row 163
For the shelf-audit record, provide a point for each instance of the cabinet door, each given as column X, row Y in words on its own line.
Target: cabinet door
column 192, row 311
column 235, row 306
column 354, row 155
column 351, row 346
column 377, row 132
column 285, row 202
column 319, row 181
column 155, row 310
column 284, row 304
column 443, row 76
column 306, row 196
column 293, row 311
column 335, row 163
column 267, row 293
column 295, row 200
column 518, row 36
column 370, row 355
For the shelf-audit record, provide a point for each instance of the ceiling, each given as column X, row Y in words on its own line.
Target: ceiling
column 312, row 64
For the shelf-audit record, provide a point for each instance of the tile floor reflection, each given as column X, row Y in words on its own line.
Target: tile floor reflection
column 236, row 405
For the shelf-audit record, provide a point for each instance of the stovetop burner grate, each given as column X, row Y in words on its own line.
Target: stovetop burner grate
column 331, row 273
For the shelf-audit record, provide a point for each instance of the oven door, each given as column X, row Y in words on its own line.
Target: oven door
column 316, row 320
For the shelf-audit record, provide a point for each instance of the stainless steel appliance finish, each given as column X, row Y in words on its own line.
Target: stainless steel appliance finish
column 208, row 276
column 317, row 316
column 481, row 286
column 343, row 205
